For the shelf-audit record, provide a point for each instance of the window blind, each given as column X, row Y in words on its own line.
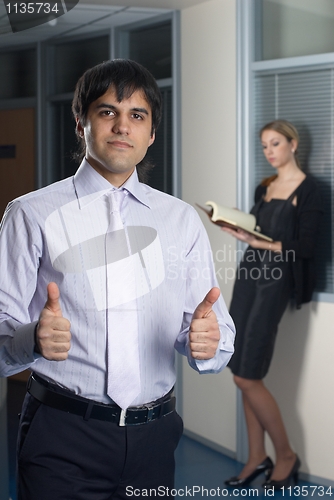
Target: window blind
column 305, row 98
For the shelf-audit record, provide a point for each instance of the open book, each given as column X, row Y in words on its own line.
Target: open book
column 233, row 218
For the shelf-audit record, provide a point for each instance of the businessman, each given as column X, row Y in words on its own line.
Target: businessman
column 102, row 278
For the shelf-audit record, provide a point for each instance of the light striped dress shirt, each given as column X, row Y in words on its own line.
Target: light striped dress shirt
column 57, row 234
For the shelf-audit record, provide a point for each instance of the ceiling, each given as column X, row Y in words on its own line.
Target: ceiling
column 163, row 4
column 86, row 17
column 83, row 18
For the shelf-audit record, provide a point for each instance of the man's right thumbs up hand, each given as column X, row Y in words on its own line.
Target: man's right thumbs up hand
column 53, row 336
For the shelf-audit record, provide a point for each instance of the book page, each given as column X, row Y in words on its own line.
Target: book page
column 233, row 218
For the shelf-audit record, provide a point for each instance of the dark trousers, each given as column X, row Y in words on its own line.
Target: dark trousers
column 61, row 456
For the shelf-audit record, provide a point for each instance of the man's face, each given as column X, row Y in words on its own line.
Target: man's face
column 117, row 134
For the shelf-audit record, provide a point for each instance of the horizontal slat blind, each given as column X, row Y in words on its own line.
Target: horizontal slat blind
column 306, row 99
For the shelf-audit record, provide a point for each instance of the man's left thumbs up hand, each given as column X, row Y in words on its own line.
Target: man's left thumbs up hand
column 204, row 333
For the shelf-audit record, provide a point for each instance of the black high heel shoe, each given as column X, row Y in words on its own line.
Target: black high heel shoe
column 264, row 467
column 272, row 483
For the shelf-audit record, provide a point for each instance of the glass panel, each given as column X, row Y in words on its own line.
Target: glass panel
column 66, row 143
column 160, row 153
column 297, row 28
column 18, row 74
column 73, row 58
column 152, row 47
column 306, row 99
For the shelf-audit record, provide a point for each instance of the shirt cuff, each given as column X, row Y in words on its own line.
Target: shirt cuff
column 219, row 361
column 223, row 354
column 23, row 344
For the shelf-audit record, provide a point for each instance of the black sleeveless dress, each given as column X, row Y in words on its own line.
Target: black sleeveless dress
column 262, row 290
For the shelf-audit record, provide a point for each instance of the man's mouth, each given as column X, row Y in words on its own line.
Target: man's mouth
column 120, row 144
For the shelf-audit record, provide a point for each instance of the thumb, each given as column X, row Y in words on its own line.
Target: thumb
column 52, row 303
column 205, row 307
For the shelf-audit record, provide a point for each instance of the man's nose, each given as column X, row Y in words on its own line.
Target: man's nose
column 121, row 125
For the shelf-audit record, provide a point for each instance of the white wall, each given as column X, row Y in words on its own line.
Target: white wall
column 301, row 378
column 208, row 58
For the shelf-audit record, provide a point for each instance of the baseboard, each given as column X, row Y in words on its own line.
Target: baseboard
column 210, row 444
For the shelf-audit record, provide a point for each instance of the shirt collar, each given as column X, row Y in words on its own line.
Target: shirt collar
column 137, row 189
column 90, row 186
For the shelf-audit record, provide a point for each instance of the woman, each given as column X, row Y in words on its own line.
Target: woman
column 288, row 209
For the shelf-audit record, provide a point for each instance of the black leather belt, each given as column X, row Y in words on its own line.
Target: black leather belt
column 62, row 399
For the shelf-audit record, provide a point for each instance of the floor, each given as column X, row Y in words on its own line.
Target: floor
column 200, row 471
column 203, row 471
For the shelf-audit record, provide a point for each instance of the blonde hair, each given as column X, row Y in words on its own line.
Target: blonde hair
column 290, row 132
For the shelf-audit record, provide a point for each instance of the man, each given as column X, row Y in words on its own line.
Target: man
column 101, row 278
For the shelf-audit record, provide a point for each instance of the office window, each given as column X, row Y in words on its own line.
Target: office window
column 293, row 85
column 306, row 98
column 293, row 28
column 71, row 59
column 152, row 47
column 18, row 74
column 160, row 153
column 65, row 140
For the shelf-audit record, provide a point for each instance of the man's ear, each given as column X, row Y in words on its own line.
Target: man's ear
column 79, row 128
column 152, row 139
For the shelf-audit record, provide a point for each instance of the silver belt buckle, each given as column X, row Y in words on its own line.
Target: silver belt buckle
column 149, row 413
column 122, row 418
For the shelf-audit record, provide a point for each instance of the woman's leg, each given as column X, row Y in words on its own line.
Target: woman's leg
column 262, row 412
column 255, row 433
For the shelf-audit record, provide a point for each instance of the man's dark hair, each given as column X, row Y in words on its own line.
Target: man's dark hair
column 126, row 77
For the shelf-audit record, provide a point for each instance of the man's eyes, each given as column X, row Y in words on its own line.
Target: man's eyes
column 107, row 112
